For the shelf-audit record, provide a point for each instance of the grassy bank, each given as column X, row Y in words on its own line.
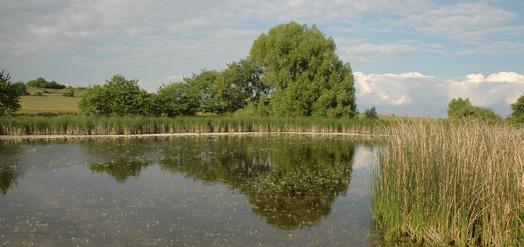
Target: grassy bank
column 83, row 125
column 452, row 183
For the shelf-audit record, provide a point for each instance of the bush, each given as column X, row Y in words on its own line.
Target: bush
column 9, row 95
column 21, row 88
column 177, row 99
column 371, row 113
column 39, row 93
column 40, row 82
column 70, row 93
column 518, row 110
column 462, row 108
column 118, row 96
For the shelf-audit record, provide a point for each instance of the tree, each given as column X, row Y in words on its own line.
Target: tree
column 9, row 95
column 305, row 74
column 371, row 113
column 462, row 108
column 118, row 96
column 205, row 84
column 518, row 110
column 239, row 84
column 177, row 99
column 21, row 88
column 40, row 82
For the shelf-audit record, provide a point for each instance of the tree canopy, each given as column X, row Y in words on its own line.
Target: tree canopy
column 518, row 110
column 462, row 108
column 118, row 96
column 43, row 83
column 305, row 74
column 9, row 95
column 292, row 70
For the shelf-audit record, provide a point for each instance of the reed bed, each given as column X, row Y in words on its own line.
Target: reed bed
column 452, row 183
column 85, row 125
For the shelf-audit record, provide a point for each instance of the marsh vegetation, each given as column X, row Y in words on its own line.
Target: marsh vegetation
column 453, row 183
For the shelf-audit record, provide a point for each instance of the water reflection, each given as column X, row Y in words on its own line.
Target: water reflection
column 7, row 178
column 185, row 191
column 291, row 185
column 120, row 169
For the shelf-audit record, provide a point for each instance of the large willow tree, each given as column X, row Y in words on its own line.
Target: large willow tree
column 306, row 76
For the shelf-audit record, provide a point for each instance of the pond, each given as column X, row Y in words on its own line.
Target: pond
column 195, row 191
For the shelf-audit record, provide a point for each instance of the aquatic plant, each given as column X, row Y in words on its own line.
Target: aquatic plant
column 122, row 125
column 450, row 183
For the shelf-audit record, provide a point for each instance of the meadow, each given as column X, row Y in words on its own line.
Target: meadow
column 50, row 101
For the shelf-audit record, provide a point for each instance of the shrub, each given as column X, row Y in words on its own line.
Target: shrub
column 9, row 95
column 70, row 93
column 462, row 108
column 371, row 113
column 118, row 96
column 518, row 110
column 40, row 82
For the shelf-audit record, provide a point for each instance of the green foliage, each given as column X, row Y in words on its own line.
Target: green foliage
column 70, row 93
column 371, row 113
column 239, row 84
column 118, row 96
column 307, row 77
column 9, row 95
column 124, row 125
column 518, row 110
column 205, row 84
column 21, row 88
column 40, row 82
column 177, row 99
column 462, row 108
column 39, row 93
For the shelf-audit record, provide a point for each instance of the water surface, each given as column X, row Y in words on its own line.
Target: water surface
column 195, row 191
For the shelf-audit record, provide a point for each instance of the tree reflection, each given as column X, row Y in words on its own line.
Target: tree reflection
column 7, row 178
column 289, row 182
column 121, row 170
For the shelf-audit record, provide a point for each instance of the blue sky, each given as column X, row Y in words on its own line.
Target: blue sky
column 409, row 57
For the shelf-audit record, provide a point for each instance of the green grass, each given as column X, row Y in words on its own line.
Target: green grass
column 84, row 125
column 450, row 183
column 49, row 103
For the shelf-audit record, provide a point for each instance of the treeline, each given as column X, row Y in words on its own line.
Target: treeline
column 291, row 71
column 40, row 82
column 460, row 108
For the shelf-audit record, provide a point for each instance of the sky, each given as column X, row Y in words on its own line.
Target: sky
column 409, row 57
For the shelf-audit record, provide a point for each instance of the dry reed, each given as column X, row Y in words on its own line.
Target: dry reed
column 450, row 183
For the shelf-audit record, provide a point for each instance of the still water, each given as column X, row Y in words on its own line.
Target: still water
column 187, row 191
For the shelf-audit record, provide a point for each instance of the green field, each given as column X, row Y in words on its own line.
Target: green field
column 51, row 101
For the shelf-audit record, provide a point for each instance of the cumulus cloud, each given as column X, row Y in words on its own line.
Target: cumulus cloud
column 411, row 93
column 415, row 93
column 491, row 90
column 86, row 42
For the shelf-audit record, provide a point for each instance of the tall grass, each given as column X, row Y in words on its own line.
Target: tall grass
column 450, row 183
column 84, row 125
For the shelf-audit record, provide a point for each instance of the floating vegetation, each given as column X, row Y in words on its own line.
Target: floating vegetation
column 291, row 186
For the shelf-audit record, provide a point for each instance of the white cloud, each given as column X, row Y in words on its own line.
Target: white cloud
column 364, row 52
column 464, row 21
column 496, row 88
column 414, row 93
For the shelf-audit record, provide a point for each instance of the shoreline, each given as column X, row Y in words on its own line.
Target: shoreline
column 33, row 137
